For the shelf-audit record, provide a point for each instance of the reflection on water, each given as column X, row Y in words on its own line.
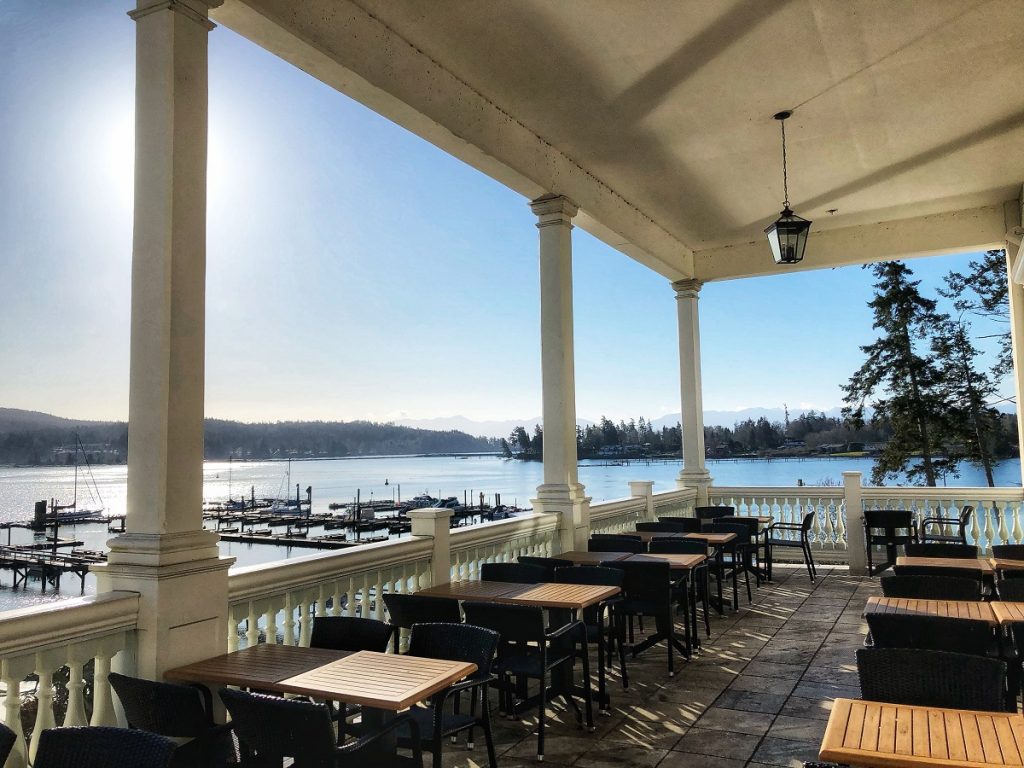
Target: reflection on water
column 390, row 478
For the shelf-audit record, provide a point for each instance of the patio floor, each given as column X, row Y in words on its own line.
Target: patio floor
column 758, row 694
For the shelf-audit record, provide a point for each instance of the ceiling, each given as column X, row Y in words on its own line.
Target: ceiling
column 656, row 116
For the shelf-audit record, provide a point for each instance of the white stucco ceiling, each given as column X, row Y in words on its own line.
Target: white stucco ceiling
column 656, row 115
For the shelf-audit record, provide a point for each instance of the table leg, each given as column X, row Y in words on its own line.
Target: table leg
column 384, row 751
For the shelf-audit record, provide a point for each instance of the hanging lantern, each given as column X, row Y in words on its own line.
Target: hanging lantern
column 787, row 235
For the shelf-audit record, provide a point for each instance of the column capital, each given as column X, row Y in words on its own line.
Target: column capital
column 688, row 288
column 554, row 209
column 194, row 10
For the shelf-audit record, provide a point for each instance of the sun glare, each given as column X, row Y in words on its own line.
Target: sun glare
column 119, row 158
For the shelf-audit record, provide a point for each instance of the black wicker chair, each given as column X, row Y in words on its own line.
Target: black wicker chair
column 735, row 555
column 549, row 564
column 686, row 524
column 801, row 542
column 1011, row 589
column 271, row 729
column 455, row 642
column 660, row 527
column 890, row 528
column 515, row 573
column 932, row 633
column 7, row 740
column 404, row 610
column 647, row 591
column 102, row 747
column 938, row 570
column 701, row 581
column 527, row 649
column 349, row 633
column 941, row 549
column 931, row 587
column 707, row 514
column 615, row 544
column 178, row 711
column 1008, row 551
column 932, row 678
column 960, row 522
column 593, row 618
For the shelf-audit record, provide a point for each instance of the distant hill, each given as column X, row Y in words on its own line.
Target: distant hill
column 29, row 437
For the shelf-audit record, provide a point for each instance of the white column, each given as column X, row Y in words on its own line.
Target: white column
column 165, row 555
column 693, row 473
column 561, row 491
column 856, row 549
column 435, row 524
column 1013, row 214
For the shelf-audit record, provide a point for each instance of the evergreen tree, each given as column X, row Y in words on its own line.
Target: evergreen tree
column 984, row 291
column 967, row 390
column 904, row 383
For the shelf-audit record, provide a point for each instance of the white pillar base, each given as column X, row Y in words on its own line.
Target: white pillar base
column 572, row 505
column 436, row 524
column 698, row 479
column 183, row 583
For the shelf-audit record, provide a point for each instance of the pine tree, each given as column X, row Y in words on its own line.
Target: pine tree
column 984, row 291
column 903, row 383
column 967, row 390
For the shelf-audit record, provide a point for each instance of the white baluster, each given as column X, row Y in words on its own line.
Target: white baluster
column 990, row 534
column 842, row 539
column 13, row 672
column 975, row 529
column 76, row 660
column 378, row 602
column 289, row 619
column 271, row 620
column 1018, row 532
column 1004, row 532
column 44, row 702
column 305, row 622
column 337, row 592
column 252, row 629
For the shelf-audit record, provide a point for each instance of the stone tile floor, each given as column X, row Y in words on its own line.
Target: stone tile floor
column 758, row 694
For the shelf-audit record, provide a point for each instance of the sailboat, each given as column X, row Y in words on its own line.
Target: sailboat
column 72, row 513
column 282, row 505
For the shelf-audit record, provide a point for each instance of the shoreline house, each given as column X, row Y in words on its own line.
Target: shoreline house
column 653, row 130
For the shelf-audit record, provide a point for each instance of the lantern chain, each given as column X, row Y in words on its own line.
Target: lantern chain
column 785, row 175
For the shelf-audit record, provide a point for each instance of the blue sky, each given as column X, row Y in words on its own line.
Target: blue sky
column 354, row 270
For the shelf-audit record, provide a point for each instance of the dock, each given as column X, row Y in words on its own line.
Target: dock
column 29, row 562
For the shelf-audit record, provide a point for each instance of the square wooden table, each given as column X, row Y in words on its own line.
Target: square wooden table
column 646, row 536
column 957, row 563
column 258, row 666
column 1007, row 612
column 675, row 562
column 870, row 733
column 713, row 539
column 1006, row 564
column 592, row 558
column 574, row 597
column 953, row 609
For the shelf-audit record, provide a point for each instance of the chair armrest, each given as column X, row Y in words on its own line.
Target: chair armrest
column 786, row 526
column 941, row 520
column 564, row 630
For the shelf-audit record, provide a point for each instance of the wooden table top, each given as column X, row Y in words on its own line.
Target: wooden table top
column 964, row 563
column 869, row 733
column 1006, row 564
column 593, row 558
column 954, row 609
column 676, row 562
column 258, row 666
column 1007, row 612
column 573, row 596
column 713, row 539
column 378, row 680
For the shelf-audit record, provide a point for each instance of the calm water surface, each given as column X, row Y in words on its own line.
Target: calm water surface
column 390, row 478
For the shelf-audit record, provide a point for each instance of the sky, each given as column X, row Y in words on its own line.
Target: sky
column 354, row 271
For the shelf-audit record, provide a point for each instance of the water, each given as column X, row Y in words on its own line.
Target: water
column 391, row 478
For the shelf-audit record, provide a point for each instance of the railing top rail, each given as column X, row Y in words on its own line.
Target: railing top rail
column 818, row 491
column 1004, row 493
column 282, row 575
column 40, row 627
column 677, row 494
column 616, row 506
column 500, row 530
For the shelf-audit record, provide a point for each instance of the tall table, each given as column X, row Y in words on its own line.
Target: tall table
column 870, row 733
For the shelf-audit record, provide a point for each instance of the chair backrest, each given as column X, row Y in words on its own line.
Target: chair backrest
column 1008, row 551
column 1011, row 589
column 513, row 623
column 274, row 728
column 938, row 570
column 588, row 574
column 645, row 584
column 455, row 642
column 621, row 535
column 102, row 747
column 7, row 739
column 549, row 564
column 686, row 524
column 404, row 610
column 941, row 549
column 350, row 633
column 965, row 515
column 753, row 526
column 931, row 587
column 888, row 518
column 742, row 531
column 678, row 547
column 930, row 633
column 660, row 527
column 516, row 573
column 616, row 544
column 709, row 513
column 931, row 678
column 167, row 709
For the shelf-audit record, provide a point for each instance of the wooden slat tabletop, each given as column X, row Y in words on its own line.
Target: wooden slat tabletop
column 713, row 539
column 1007, row 612
column 1006, row 564
column 472, row 590
column 592, row 558
column 379, row 680
column 954, row 609
column 258, row 666
column 676, row 562
column 870, row 733
column 966, row 563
